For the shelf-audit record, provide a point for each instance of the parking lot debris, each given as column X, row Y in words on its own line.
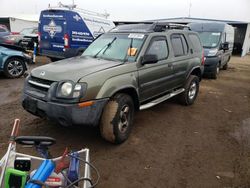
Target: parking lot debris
column 229, row 111
column 147, row 167
column 218, row 177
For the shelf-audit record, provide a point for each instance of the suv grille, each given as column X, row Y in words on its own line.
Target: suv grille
column 38, row 87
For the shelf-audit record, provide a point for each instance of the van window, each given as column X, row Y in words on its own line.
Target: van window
column 158, row 47
column 179, row 45
column 195, row 42
column 210, row 39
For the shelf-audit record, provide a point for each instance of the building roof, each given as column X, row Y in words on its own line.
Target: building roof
column 27, row 17
column 189, row 19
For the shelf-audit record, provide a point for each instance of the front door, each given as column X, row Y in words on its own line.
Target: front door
column 157, row 78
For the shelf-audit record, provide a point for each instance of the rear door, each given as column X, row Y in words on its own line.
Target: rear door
column 52, row 27
column 180, row 57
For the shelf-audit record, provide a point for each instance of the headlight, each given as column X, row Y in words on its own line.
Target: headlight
column 212, row 52
column 66, row 89
column 70, row 90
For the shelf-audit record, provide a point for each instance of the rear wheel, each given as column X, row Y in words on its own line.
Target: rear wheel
column 117, row 119
column 14, row 68
column 191, row 90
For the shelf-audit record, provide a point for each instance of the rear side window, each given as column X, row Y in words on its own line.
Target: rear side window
column 158, row 47
column 195, row 42
column 179, row 45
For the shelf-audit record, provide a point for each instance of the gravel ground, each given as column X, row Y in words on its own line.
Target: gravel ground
column 205, row 145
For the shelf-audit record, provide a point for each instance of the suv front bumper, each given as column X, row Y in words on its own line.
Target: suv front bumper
column 65, row 114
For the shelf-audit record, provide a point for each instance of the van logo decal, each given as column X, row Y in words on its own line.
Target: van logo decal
column 77, row 18
column 52, row 28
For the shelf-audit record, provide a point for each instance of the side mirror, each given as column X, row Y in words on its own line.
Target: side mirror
column 149, row 59
column 225, row 46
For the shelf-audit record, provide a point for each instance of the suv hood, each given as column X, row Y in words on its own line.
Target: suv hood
column 72, row 69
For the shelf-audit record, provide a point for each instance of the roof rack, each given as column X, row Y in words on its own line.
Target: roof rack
column 163, row 26
column 148, row 27
column 73, row 7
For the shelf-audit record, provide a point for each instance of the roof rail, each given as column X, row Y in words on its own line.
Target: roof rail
column 163, row 26
column 148, row 27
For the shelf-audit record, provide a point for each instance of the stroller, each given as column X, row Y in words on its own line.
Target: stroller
column 18, row 170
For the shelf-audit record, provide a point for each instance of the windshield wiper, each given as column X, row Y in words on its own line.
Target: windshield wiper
column 130, row 47
column 105, row 48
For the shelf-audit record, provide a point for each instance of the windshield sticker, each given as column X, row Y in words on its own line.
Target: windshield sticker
column 136, row 36
column 52, row 28
column 216, row 34
column 214, row 44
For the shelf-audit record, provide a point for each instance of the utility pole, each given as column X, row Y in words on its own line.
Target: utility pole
column 189, row 9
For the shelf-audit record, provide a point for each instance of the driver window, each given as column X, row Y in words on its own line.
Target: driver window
column 158, row 47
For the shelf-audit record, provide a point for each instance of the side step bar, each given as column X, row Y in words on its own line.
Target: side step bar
column 161, row 99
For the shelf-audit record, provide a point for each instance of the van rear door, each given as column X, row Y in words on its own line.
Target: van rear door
column 52, row 27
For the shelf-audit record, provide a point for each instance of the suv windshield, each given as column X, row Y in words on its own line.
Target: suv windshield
column 210, row 39
column 116, row 47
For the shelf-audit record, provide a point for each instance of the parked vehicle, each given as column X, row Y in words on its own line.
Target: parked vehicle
column 28, row 41
column 132, row 67
column 65, row 33
column 3, row 32
column 218, row 40
column 16, row 39
column 13, row 61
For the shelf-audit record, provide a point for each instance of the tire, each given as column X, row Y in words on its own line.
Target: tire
column 79, row 53
column 14, row 68
column 20, row 43
column 191, row 90
column 117, row 119
column 53, row 59
column 214, row 75
column 225, row 66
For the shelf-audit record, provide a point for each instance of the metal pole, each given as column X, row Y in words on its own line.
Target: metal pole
column 34, row 52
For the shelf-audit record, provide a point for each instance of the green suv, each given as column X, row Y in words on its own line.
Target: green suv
column 132, row 67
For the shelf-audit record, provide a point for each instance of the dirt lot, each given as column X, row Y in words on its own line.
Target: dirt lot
column 205, row 145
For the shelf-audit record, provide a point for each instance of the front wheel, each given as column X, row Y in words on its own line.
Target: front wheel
column 191, row 90
column 216, row 71
column 14, row 68
column 225, row 66
column 117, row 118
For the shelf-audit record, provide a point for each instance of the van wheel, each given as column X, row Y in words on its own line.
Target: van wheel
column 117, row 119
column 14, row 68
column 191, row 90
column 79, row 53
column 214, row 75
